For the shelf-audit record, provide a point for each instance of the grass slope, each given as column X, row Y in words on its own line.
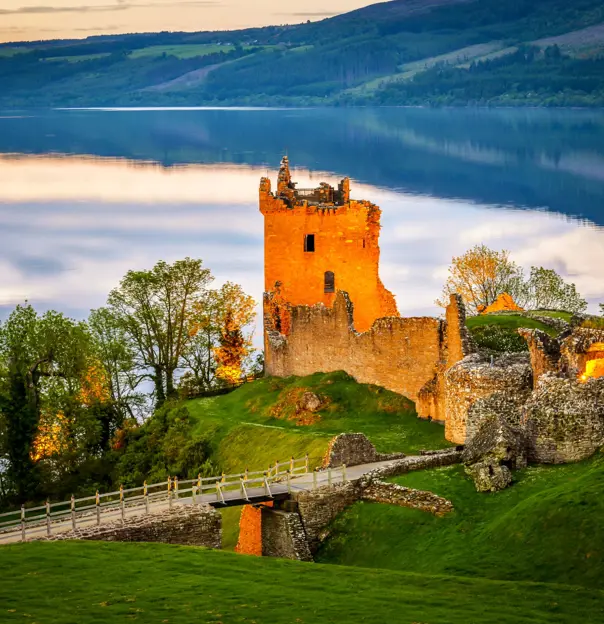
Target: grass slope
column 547, row 527
column 87, row 582
column 251, row 428
column 256, row 425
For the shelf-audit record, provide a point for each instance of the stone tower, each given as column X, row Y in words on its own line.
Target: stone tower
column 317, row 242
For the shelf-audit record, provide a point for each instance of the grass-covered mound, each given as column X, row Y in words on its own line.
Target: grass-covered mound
column 88, row 582
column 260, row 423
column 547, row 527
column 498, row 333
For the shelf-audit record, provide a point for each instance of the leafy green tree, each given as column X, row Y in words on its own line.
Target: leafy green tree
column 155, row 310
column 43, row 360
column 117, row 355
column 546, row 290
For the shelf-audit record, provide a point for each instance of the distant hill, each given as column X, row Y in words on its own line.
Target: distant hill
column 403, row 52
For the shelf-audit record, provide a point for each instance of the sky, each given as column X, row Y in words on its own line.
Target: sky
column 27, row 20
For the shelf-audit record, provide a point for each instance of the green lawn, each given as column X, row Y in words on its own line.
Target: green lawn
column 549, row 527
column 88, row 582
column 182, row 51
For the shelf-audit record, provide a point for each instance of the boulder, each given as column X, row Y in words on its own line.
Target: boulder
column 489, row 475
column 310, row 402
column 497, row 441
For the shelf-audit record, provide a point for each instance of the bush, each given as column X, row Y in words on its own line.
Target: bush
column 498, row 339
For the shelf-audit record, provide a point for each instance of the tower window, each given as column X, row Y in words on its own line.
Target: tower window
column 309, row 242
column 330, row 282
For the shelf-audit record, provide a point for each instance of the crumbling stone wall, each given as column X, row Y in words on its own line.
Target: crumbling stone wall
column 353, row 449
column 188, row 525
column 393, row 494
column 283, row 535
column 564, row 419
column 400, row 354
column 544, row 352
column 477, row 377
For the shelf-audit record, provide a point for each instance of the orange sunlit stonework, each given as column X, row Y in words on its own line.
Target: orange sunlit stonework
column 594, row 367
column 317, row 242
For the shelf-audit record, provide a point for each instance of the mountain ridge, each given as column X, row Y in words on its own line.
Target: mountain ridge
column 402, row 52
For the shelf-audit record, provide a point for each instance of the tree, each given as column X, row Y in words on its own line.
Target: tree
column 154, row 308
column 601, row 306
column 43, row 359
column 546, row 290
column 117, row 356
column 221, row 343
column 480, row 276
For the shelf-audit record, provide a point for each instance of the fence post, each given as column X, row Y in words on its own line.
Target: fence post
column 22, row 523
column 289, row 482
column 176, row 487
column 73, row 513
column 314, row 479
column 146, row 495
column 329, row 476
column 98, row 508
column 48, row 532
column 306, row 463
column 169, row 493
column 343, row 473
column 122, row 503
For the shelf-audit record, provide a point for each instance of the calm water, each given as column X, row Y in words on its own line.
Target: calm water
column 87, row 195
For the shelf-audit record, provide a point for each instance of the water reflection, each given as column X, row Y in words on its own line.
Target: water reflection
column 171, row 184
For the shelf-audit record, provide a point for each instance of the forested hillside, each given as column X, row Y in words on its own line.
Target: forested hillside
column 512, row 52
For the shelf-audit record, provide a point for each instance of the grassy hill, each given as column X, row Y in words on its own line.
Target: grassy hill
column 398, row 52
column 89, row 582
column 547, row 527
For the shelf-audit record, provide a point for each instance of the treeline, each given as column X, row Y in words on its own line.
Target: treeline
column 526, row 77
column 73, row 394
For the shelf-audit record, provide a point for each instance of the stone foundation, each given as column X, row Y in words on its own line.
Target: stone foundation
column 283, row 535
column 188, row 525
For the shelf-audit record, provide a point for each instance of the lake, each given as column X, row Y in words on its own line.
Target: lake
column 87, row 195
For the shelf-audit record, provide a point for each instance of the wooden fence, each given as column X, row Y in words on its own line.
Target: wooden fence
column 114, row 505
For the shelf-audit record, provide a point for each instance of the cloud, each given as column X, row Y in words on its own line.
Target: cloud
column 121, row 5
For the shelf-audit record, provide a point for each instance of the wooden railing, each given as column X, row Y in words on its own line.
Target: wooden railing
column 114, row 505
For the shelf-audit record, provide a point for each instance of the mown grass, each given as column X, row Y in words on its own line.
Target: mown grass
column 77, row 59
column 547, row 527
column 257, row 424
column 182, row 51
column 88, row 582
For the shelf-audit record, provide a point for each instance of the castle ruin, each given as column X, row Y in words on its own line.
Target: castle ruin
column 326, row 309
